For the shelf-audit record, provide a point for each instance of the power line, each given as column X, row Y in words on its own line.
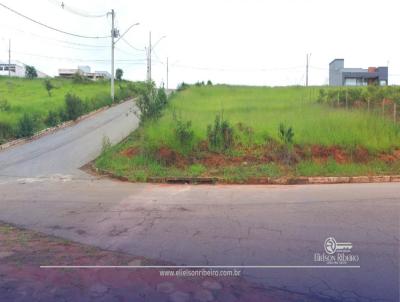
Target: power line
column 77, row 59
column 53, row 39
column 76, row 11
column 131, row 46
column 50, row 27
column 237, row 70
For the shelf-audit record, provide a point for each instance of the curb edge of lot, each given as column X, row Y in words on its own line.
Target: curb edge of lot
column 261, row 180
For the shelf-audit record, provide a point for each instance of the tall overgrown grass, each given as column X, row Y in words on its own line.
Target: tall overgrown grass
column 263, row 109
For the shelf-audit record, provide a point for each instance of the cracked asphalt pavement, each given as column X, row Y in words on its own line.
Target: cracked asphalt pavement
column 42, row 188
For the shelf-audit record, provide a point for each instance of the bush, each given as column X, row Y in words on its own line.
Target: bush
column 286, row 135
column 78, row 78
column 30, row 72
column 26, row 126
column 118, row 74
column 48, row 85
column 6, row 131
column 220, row 135
column 74, row 106
column 150, row 102
column 184, row 132
column 182, row 86
column 4, row 105
column 52, row 119
column 162, row 97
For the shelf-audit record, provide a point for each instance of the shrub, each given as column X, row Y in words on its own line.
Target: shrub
column 26, row 126
column 78, row 78
column 74, row 106
column 6, row 131
column 182, row 86
column 184, row 132
column 286, row 135
column 220, row 135
column 63, row 115
column 162, row 96
column 118, row 74
column 52, row 119
column 49, row 86
column 4, row 105
column 150, row 102
column 30, row 72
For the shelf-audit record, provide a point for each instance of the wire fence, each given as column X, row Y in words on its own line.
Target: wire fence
column 381, row 101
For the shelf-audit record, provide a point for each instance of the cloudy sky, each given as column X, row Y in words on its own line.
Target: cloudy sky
column 250, row 42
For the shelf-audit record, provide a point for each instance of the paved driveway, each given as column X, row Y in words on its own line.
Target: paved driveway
column 42, row 189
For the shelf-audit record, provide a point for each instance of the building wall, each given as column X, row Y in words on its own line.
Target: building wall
column 340, row 76
column 19, row 71
column 335, row 72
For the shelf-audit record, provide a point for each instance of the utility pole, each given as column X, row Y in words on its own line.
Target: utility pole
column 307, row 67
column 112, row 52
column 167, row 72
column 149, row 60
column 9, row 57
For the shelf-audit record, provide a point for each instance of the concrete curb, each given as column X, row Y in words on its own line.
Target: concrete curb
column 54, row 129
column 261, row 180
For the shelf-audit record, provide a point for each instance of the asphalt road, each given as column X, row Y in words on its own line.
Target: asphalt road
column 68, row 149
column 42, row 189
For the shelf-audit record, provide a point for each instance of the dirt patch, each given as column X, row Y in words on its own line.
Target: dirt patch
column 170, row 157
column 390, row 158
column 263, row 154
column 361, row 155
column 130, row 152
column 322, row 154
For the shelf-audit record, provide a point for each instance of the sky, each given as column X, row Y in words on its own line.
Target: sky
column 250, row 42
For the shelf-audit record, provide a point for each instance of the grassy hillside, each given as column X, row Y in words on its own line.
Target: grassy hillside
column 326, row 141
column 263, row 109
column 30, row 96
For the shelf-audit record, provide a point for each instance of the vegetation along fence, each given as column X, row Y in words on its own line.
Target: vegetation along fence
column 384, row 101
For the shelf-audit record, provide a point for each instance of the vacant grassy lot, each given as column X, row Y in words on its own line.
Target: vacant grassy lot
column 19, row 96
column 30, row 96
column 327, row 140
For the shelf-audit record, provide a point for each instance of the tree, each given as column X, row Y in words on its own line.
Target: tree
column 119, row 73
column 30, row 72
column 49, row 86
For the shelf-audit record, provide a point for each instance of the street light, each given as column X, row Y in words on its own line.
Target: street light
column 154, row 46
column 151, row 47
column 115, row 34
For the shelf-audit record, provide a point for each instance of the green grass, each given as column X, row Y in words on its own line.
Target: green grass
column 261, row 109
column 31, row 96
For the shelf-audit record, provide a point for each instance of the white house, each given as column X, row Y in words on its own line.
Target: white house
column 84, row 71
column 17, row 69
